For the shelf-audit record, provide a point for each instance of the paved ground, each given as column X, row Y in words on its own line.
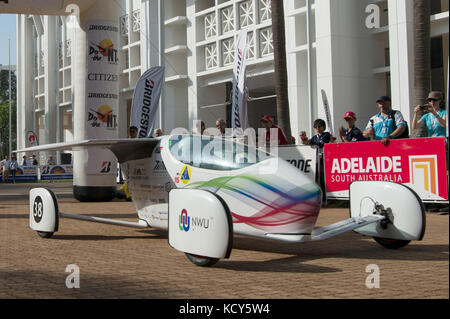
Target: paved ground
column 117, row 262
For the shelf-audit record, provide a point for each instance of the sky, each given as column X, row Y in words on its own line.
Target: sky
column 7, row 30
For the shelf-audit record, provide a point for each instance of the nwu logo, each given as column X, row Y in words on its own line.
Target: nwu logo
column 184, row 221
column 185, row 224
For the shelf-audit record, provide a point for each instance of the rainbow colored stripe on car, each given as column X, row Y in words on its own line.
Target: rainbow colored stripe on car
column 281, row 207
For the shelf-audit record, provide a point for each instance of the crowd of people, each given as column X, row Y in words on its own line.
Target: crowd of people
column 9, row 167
column 387, row 124
column 384, row 126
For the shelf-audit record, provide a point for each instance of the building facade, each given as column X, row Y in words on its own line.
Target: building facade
column 353, row 50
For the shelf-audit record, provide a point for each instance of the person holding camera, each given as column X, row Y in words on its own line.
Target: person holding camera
column 434, row 115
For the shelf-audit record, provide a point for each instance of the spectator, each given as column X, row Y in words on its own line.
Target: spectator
column 51, row 160
column 352, row 133
column 6, row 165
column 385, row 125
column 132, row 132
column 13, row 168
column 25, row 161
column 34, row 160
column 303, row 137
column 221, row 126
column 157, row 132
column 321, row 138
column 434, row 115
column 267, row 122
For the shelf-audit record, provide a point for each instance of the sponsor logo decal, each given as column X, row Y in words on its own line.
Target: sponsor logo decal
column 185, row 175
column 106, row 167
column 184, row 221
column 104, row 50
column 104, row 114
column 423, row 171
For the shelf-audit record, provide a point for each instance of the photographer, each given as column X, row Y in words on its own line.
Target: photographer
column 434, row 115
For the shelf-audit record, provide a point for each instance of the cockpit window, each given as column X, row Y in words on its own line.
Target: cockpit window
column 214, row 153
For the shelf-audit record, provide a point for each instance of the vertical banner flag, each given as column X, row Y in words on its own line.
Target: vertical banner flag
column 326, row 108
column 239, row 106
column 102, row 91
column 146, row 101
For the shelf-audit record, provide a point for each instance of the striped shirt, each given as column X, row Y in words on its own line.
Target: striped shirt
column 384, row 126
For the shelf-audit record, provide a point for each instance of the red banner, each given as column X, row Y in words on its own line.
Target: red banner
column 419, row 163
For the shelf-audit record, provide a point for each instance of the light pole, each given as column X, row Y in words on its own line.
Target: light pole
column 9, row 113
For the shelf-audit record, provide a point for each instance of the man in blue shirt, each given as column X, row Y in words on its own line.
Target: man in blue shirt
column 434, row 116
column 385, row 125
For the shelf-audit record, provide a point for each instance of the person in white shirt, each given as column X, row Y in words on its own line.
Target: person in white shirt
column 5, row 164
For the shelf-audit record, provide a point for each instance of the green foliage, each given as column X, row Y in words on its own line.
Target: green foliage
column 4, row 112
column 4, row 86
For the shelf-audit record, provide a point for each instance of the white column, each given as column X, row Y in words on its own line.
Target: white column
column 345, row 53
column 191, row 31
column 50, row 78
column 25, row 78
column 89, row 183
column 401, row 46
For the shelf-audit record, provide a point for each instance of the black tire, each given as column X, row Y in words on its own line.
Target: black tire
column 201, row 261
column 391, row 243
column 44, row 234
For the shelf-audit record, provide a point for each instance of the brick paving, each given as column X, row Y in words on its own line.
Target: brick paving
column 118, row 262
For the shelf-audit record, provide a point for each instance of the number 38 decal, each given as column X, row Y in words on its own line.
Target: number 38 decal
column 38, row 209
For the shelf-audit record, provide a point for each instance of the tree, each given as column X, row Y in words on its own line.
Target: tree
column 4, row 112
column 422, row 48
column 281, row 83
column 4, row 86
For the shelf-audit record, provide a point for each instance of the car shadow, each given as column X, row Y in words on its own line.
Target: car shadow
column 292, row 264
column 96, row 237
column 349, row 245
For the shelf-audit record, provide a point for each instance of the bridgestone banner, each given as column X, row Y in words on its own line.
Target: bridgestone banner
column 239, row 117
column 146, row 101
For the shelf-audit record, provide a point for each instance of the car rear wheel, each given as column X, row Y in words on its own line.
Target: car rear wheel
column 201, row 261
column 391, row 243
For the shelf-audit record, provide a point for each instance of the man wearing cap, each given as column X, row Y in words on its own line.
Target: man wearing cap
column 352, row 133
column 434, row 115
column 267, row 122
column 387, row 124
